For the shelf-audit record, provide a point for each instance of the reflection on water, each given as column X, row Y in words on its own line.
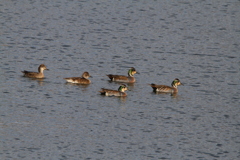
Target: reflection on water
column 76, row 84
column 83, row 87
column 162, row 94
column 129, row 85
column 40, row 81
column 120, row 99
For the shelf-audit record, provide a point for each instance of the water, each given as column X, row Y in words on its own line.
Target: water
column 197, row 42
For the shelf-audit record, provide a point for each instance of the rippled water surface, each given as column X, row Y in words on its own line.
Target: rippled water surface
column 197, row 42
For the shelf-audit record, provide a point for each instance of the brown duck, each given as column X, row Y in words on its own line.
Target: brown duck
column 38, row 74
column 125, row 79
column 167, row 89
column 79, row 80
column 118, row 93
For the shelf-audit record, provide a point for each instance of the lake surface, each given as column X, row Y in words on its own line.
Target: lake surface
column 197, row 42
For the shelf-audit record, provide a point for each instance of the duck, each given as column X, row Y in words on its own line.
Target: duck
column 122, row 78
column 118, row 93
column 79, row 80
column 167, row 89
column 38, row 74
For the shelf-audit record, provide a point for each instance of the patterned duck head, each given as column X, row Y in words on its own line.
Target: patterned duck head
column 176, row 82
column 132, row 71
column 122, row 88
column 86, row 75
column 42, row 67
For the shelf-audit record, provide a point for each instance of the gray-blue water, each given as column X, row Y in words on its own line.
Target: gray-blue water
column 197, row 42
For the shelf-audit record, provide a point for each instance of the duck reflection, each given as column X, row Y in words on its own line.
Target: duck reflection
column 173, row 95
column 83, row 87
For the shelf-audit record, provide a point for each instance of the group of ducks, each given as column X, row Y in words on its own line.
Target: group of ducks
column 116, row 78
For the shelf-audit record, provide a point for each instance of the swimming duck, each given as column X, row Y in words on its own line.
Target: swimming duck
column 79, row 80
column 167, row 89
column 118, row 93
column 125, row 79
column 38, row 74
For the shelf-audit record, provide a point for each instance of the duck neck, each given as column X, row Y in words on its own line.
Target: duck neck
column 174, row 85
column 85, row 77
column 175, row 90
column 130, row 73
column 40, row 70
